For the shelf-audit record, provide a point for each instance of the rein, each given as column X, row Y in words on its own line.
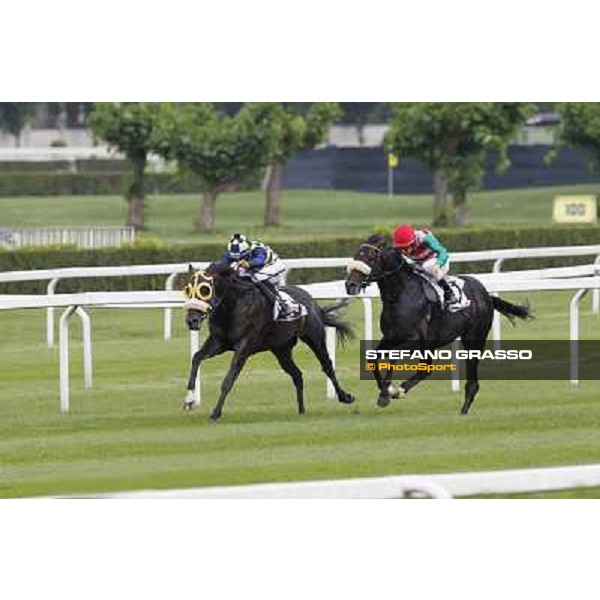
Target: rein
column 383, row 275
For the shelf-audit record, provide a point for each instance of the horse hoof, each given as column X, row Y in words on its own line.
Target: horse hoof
column 190, row 402
column 383, row 400
column 396, row 393
column 213, row 418
column 347, row 399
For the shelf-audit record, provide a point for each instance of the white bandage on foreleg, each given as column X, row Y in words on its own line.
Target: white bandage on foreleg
column 358, row 265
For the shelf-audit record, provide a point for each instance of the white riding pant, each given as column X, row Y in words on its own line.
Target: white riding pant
column 427, row 267
column 274, row 273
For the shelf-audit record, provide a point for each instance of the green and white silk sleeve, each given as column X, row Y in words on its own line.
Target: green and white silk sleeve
column 438, row 248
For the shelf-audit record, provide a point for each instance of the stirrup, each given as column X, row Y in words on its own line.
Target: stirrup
column 288, row 313
column 449, row 301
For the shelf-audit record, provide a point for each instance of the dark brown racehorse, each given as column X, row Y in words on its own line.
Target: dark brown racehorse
column 411, row 320
column 240, row 320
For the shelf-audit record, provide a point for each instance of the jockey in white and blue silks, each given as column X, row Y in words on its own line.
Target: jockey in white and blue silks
column 261, row 264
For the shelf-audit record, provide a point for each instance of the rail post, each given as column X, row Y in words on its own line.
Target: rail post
column 596, row 292
column 455, row 380
column 168, row 311
column 50, row 290
column 368, row 317
column 86, row 326
column 64, row 358
column 496, row 327
column 574, row 334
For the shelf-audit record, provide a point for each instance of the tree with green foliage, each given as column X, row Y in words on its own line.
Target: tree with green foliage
column 580, row 128
column 454, row 139
column 223, row 150
column 297, row 127
column 14, row 116
column 133, row 129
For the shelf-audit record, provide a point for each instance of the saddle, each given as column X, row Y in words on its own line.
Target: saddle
column 285, row 308
column 435, row 294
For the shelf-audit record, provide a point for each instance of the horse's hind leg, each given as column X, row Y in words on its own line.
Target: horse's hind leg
column 319, row 348
column 419, row 376
column 286, row 361
column 472, row 385
column 237, row 364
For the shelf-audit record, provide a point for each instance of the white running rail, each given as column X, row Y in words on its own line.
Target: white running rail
column 54, row 276
column 436, row 486
column 82, row 237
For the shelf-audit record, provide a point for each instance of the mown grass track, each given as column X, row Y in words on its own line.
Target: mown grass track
column 128, row 432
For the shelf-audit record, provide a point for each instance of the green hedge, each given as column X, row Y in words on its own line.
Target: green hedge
column 463, row 240
column 83, row 184
column 88, row 165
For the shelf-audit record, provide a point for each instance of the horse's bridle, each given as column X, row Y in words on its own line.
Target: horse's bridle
column 369, row 277
column 199, row 294
column 206, row 301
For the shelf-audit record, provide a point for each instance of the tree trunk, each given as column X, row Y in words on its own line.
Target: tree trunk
column 440, row 194
column 461, row 208
column 135, row 195
column 206, row 216
column 135, row 212
column 273, row 195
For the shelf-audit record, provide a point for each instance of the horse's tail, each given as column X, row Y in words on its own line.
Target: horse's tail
column 510, row 310
column 330, row 319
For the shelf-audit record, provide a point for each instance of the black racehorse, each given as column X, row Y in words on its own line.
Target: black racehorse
column 240, row 319
column 412, row 317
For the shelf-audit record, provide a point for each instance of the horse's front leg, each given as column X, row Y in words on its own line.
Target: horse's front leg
column 237, row 364
column 382, row 384
column 387, row 391
column 211, row 347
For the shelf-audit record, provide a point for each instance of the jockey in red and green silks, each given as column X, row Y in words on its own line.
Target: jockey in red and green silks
column 428, row 254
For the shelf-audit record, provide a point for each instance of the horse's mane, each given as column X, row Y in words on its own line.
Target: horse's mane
column 381, row 241
column 224, row 270
column 377, row 239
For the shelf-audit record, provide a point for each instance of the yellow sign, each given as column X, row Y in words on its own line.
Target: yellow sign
column 574, row 209
column 392, row 161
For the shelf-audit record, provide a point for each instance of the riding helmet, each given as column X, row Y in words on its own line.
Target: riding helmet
column 404, row 236
column 238, row 245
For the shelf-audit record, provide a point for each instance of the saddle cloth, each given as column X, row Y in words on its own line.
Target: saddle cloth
column 288, row 309
column 457, row 284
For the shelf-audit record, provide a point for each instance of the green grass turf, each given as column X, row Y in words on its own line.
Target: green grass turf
column 306, row 214
column 129, row 432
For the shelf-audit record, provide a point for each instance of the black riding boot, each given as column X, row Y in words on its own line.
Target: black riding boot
column 268, row 289
column 449, row 297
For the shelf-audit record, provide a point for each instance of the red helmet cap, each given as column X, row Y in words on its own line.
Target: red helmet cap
column 404, row 236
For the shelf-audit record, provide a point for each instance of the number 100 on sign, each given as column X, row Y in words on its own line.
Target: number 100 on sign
column 574, row 209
